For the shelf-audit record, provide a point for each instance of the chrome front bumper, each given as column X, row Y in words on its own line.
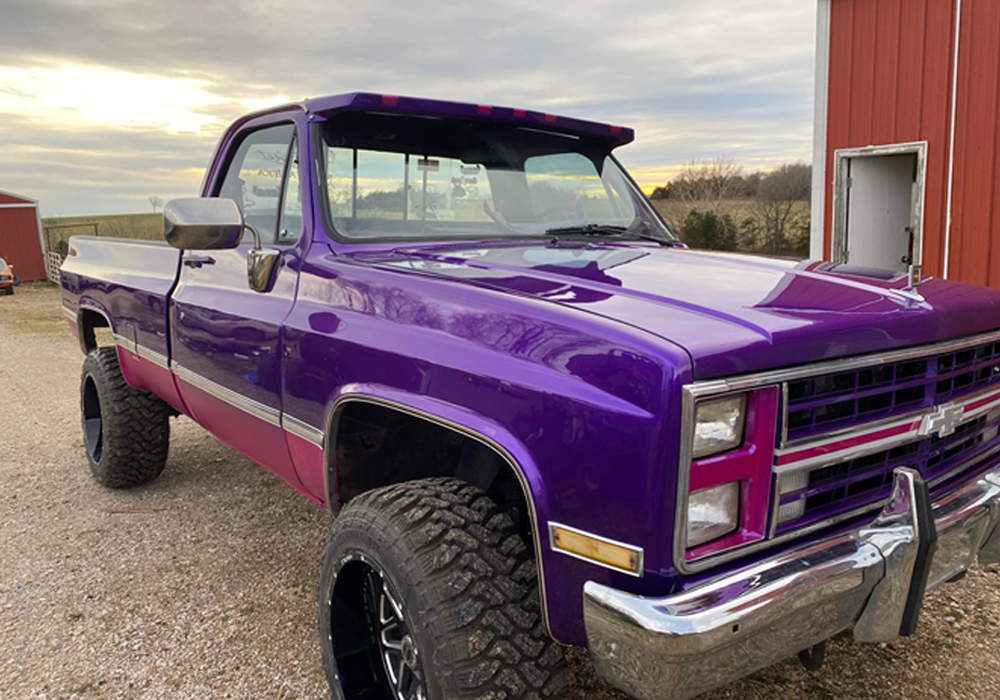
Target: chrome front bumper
column 872, row 579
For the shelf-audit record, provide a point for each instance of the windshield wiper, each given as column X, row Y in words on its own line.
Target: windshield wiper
column 607, row 230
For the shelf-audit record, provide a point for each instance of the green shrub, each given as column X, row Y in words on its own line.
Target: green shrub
column 709, row 231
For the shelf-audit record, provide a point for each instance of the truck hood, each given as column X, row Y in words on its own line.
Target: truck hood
column 732, row 313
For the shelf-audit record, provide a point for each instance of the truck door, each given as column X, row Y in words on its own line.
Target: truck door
column 225, row 336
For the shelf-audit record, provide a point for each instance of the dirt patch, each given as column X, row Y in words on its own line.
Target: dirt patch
column 202, row 585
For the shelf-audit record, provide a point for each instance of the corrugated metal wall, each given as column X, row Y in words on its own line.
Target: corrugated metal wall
column 12, row 199
column 975, row 229
column 890, row 82
column 19, row 243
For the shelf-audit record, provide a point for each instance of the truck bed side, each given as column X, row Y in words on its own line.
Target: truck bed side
column 125, row 285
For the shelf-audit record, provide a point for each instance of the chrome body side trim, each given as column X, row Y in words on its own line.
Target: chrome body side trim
column 640, row 555
column 679, row 646
column 696, row 391
column 152, row 356
column 126, row 343
column 303, row 430
column 488, row 442
column 244, row 403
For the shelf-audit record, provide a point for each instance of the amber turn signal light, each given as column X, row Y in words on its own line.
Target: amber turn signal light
column 596, row 550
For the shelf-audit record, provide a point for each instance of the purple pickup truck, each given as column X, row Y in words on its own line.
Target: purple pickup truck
column 540, row 419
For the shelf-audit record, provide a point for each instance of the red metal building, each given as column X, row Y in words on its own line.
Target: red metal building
column 21, row 243
column 907, row 136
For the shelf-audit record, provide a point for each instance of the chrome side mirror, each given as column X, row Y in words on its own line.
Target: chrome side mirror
column 202, row 223
column 215, row 223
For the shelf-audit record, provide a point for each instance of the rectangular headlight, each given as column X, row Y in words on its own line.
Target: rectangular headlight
column 718, row 425
column 712, row 513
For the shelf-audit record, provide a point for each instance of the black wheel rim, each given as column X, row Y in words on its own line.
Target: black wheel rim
column 400, row 656
column 373, row 645
column 93, row 425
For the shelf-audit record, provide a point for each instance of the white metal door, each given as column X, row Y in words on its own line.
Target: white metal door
column 881, row 197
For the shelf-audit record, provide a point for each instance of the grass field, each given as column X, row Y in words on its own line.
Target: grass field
column 143, row 226
column 739, row 210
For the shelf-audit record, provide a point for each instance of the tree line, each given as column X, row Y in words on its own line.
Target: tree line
column 714, row 204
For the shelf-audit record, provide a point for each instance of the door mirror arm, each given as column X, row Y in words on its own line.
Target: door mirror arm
column 260, row 263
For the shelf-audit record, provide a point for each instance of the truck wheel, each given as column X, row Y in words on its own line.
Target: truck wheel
column 126, row 431
column 427, row 592
column 10, row 290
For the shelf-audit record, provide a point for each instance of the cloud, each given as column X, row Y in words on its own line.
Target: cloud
column 126, row 98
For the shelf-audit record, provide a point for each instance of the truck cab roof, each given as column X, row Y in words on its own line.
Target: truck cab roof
column 328, row 105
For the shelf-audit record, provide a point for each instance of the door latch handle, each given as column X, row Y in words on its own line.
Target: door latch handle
column 199, row 260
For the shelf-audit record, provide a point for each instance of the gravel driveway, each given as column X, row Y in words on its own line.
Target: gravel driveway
column 202, row 585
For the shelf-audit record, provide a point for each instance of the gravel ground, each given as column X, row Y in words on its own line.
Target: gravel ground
column 202, row 584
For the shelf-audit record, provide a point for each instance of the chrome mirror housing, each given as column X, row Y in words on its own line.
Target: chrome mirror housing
column 260, row 268
column 202, row 223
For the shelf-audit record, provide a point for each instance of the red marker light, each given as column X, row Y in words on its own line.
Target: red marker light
column 390, row 100
column 483, row 109
column 616, row 130
column 520, row 113
column 550, row 118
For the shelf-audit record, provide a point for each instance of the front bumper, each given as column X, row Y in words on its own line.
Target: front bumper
column 872, row 579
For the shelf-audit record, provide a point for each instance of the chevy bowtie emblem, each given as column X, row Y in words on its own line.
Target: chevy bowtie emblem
column 943, row 421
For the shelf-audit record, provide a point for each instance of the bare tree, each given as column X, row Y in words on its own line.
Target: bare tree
column 156, row 202
column 779, row 208
column 707, row 185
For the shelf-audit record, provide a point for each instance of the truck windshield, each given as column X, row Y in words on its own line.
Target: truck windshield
column 401, row 177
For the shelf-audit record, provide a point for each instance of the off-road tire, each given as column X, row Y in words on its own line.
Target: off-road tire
column 468, row 582
column 134, row 424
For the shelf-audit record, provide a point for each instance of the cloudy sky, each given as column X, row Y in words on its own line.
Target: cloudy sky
column 105, row 102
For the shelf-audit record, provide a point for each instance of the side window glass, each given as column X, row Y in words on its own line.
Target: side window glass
column 290, row 223
column 254, row 178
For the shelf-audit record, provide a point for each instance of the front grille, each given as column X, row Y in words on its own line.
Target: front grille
column 838, row 488
column 841, row 401
column 830, row 402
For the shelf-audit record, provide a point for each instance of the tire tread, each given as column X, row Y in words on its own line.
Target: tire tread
column 136, row 425
column 494, row 645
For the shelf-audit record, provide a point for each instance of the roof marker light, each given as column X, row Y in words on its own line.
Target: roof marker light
column 550, row 118
column 484, row 110
column 390, row 100
column 520, row 113
column 616, row 130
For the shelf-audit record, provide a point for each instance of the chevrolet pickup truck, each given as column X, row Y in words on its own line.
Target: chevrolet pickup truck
column 540, row 419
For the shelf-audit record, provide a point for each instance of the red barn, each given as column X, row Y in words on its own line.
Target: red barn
column 21, row 243
column 906, row 151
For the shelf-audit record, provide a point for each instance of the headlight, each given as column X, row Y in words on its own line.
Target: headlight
column 718, row 425
column 712, row 513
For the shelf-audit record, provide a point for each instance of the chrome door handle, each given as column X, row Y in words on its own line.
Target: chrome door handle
column 198, row 260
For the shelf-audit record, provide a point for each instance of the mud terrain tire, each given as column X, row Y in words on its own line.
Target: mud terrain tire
column 126, row 431
column 467, row 589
